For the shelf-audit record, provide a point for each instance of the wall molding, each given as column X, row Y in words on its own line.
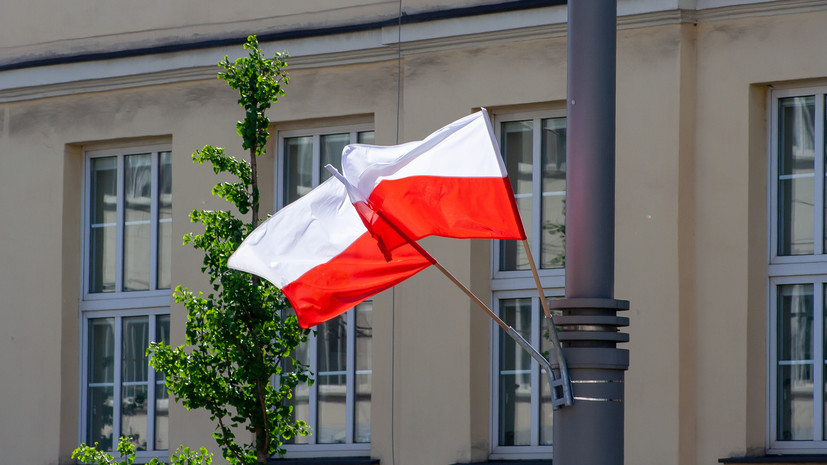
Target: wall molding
column 353, row 47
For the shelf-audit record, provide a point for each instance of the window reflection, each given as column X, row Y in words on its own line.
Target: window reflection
column 795, row 362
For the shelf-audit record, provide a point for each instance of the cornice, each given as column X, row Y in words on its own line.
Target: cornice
column 365, row 46
column 734, row 12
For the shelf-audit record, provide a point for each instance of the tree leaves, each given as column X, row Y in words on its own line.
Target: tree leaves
column 239, row 335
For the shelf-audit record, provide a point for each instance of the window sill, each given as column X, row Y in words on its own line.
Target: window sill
column 326, row 460
column 512, row 461
column 794, row 458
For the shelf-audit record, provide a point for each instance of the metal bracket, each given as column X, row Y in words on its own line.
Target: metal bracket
column 560, row 384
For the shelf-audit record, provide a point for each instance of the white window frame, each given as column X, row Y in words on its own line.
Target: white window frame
column 121, row 304
column 316, row 134
column 534, row 450
column 312, row 449
column 520, row 284
column 796, row 269
column 349, row 447
column 118, row 316
column 549, row 277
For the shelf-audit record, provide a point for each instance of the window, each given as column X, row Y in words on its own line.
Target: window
column 126, row 297
column 797, row 273
column 303, row 156
column 533, row 146
column 337, row 406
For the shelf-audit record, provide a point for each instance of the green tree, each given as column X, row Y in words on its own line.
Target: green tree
column 239, row 336
column 126, row 450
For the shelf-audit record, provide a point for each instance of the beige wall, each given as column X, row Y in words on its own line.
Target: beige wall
column 691, row 224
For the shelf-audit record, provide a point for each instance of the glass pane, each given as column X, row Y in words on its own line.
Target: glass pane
column 795, row 364
column 331, row 152
column 301, row 395
column 366, row 137
column 134, row 414
column 161, row 416
column 553, row 201
column 103, row 203
column 546, row 409
column 100, row 382
column 331, row 342
column 135, row 366
column 515, row 376
column 364, row 372
column 134, row 373
column 517, row 148
column 99, row 426
column 298, row 167
column 137, row 230
column 164, row 220
column 796, row 165
column 102, row 350
column 161, row 394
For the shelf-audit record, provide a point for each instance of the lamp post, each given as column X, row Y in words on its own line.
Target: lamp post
column 591, row 431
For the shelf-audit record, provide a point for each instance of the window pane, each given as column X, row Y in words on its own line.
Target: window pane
column 133, row 414
column 134, row 368
column 554, row 194
column 135, row 365
column 137, row 203
column 301, row 395
column 298, row 167
column 164, row 220
column 103, row 204
column 364, row 372
column 366, row 137
column 546, row 409
column 796, row 164
column 102, row 350
column 99, row 420
column 515, row 376
column 795, row 363
column 100, row 382
column 161, row 394
column 332, row 380
column 517, row 148
column 331, row 152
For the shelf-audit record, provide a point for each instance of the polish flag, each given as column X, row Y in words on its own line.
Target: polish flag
column 319, row 253
column 451, row 184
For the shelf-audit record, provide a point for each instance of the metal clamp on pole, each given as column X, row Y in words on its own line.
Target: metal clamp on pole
column 560, row 385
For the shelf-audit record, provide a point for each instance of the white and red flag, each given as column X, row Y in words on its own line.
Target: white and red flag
column 451, row 184
column 318, row 251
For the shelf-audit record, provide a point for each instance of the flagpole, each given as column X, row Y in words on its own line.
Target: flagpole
column 447, row 273
column 555, row 341
column 536, row 278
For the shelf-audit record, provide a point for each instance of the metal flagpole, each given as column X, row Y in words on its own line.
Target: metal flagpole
column 591, row 431
column 555, row 340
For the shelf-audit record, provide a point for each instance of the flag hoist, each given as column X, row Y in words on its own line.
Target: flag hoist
column 355, row 235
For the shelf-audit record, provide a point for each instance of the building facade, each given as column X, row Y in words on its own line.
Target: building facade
column 720, row 221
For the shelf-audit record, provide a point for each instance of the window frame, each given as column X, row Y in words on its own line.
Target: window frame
column 513, row 284
column 809, row 269
column 535, row 450
column 513, row 279
column 120, row 304
column 313, row 449
column 118, row 315
column 315, row 134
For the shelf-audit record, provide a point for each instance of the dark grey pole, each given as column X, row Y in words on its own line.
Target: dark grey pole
column 590, row 432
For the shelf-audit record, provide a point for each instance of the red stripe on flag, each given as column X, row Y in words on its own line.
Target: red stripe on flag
column 458, row 207
column 354, row 275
